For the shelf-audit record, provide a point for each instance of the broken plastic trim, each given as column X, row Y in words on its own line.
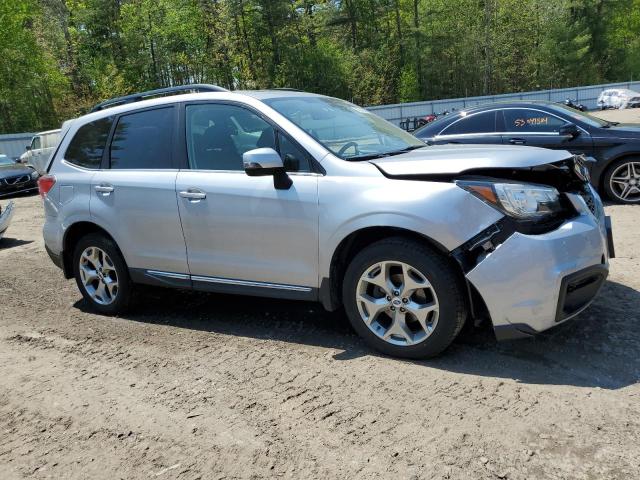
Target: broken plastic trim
column 474, row 250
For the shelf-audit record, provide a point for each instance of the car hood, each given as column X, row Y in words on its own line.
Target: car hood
column 11, row 170
column 454, row 159
column 625, row 129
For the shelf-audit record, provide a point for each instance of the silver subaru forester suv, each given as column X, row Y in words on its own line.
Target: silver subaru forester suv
column 292, row 195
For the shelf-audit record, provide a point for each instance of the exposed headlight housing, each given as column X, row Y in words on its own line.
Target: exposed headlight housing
column 521, row 201
column 34, row 175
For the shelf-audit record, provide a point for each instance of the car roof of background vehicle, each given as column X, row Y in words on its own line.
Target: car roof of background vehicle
column 48, row 132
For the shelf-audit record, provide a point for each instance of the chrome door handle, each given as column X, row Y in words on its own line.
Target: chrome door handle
column 104, row 189
column 517, row 141
column 193, row 194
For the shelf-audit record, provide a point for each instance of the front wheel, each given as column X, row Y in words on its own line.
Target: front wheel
column 101, row 274
column 404, row 299
column 622, row 181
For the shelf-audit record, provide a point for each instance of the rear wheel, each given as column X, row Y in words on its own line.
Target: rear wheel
column 101, row 274
column 404, row 298
column 622, row 181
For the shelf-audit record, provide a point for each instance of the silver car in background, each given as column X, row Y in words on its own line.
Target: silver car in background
column 299, row 196
column 618, row 98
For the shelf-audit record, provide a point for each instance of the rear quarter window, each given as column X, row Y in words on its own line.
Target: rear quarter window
column 88, row 144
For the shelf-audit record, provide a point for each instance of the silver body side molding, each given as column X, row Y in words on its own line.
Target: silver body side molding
column 227, row 281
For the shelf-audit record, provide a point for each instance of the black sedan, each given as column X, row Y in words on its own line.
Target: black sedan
column 16, row 178
column 615, row 147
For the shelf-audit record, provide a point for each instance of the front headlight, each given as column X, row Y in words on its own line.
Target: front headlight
column 519, row 200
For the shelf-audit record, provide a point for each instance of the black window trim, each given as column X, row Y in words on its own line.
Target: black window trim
column 315, row 167
column 105, row 164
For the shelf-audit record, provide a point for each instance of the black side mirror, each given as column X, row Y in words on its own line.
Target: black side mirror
column 569, row 130
column 27, row 148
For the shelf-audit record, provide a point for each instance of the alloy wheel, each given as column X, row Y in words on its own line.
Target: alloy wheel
column 397, row 303
column 98, row 275
column 625, row 182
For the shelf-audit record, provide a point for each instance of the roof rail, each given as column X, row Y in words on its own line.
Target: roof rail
column 137, row 97
column 286, row 89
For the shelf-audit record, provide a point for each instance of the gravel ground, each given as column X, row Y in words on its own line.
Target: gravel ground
column 628, row 115
column 205, row 386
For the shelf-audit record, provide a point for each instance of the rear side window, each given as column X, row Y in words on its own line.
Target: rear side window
column 87, row 146
column 143, row 140
column 484, row 122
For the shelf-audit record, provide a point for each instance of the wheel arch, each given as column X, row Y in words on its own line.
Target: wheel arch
column 331, row 287
column 72, row 235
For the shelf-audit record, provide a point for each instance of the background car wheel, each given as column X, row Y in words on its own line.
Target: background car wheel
column 101, row 274
column 404, row 298
column 622, row 181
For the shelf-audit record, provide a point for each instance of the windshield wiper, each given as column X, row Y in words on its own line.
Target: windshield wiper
column 408, row 149
column 385, row 154
column 357, row 158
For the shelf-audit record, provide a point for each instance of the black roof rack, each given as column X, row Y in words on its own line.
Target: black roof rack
column 137, row 97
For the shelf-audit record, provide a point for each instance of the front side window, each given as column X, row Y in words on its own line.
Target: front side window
column 349, row 131
column 525, row 121
column 218, row 135
column 87, row 146
column 293, row 157
column 142, row 140
column 484, row 122
column 36, row 143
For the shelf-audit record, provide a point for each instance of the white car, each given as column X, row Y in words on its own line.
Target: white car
column 618, row 98
column 39, row 151
column 5, row 218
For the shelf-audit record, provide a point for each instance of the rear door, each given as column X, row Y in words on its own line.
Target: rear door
column 133, row 195
column 474, row 128
column 538, row 128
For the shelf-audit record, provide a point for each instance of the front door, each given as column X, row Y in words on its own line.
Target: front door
column 133, row 196
column 241, row 232
column 536, row 128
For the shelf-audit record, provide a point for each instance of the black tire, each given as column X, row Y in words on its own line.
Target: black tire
column 445, row 281
column 611, row 194
column 122, row 297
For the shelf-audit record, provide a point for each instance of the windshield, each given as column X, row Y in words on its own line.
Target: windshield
column 582, row 117
column 4, row 160
column 349, row 131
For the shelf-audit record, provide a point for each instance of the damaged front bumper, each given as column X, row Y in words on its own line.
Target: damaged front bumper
column 5, row 218
column 530, row 283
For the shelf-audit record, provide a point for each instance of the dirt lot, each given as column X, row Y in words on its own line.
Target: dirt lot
column 629, row 115
column 202, row 386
